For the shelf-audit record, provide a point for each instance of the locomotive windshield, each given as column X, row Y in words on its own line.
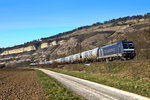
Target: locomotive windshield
column 128, row 45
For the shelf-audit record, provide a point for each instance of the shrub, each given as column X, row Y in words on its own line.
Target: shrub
column 2, row 65
column 54, row 65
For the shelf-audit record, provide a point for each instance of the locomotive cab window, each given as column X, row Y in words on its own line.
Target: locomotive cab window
column 131, row 46
column 128, row 45
column 125, row 45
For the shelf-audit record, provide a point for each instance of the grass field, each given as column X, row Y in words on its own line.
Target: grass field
column 128, row 76
column 55, row 90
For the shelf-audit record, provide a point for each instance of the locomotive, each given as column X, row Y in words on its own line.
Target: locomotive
column 119, row 50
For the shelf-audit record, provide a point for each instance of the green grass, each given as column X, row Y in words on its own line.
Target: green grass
column 124, row 76
column 54, row 90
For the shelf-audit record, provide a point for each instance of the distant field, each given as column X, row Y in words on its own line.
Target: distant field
column 130, row 76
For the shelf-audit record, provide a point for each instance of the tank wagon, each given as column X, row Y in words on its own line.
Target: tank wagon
column 118, row 50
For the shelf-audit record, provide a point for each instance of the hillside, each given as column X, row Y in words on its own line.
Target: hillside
column 135, row 28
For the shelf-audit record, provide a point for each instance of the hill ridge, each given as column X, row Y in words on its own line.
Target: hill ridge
column 67, row 43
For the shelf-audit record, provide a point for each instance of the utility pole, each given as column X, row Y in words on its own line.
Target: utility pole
column 80, row 48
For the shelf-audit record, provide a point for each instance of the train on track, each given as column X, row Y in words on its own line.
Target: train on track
column 119, row 50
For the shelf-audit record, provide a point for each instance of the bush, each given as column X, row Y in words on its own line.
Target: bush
column 54, row 65
column 2, row 65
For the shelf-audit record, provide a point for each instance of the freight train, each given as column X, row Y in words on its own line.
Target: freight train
column 119, row 50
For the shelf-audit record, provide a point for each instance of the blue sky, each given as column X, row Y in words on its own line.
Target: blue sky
column 26, row 20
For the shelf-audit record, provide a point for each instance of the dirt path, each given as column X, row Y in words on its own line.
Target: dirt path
column 91, row 90
column 20, row 84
